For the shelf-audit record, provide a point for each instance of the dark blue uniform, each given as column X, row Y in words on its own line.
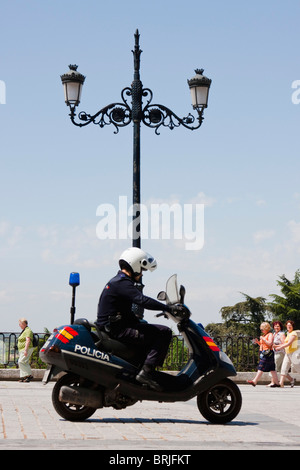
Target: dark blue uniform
column 115, row 316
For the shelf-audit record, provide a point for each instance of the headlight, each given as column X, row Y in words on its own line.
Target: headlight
column 225, row 358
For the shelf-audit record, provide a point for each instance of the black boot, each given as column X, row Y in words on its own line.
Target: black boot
column 145, row 376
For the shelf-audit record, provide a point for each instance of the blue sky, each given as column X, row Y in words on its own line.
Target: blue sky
column 243, row 163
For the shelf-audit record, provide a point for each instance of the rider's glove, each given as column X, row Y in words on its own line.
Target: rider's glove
column 179, row 310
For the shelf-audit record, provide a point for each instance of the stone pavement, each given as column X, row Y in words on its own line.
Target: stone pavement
column 269, row 419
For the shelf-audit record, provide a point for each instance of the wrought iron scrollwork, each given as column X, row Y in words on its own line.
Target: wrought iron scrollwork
column 117, row 114
column 157, row 115
column 152, row 115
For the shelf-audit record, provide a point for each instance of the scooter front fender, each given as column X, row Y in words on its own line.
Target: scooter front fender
column 50, row 372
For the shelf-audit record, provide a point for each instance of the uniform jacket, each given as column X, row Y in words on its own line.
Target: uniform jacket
column 117, row 298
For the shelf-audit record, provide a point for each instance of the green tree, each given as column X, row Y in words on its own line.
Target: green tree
column 287, row 306
column 221, row 329
column 246, row 316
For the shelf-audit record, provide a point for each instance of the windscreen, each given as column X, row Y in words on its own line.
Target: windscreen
column 172, row 290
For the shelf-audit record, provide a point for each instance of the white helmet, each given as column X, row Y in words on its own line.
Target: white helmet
column 138, row 260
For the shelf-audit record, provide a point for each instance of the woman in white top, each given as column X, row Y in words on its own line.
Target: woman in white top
column 278, row 339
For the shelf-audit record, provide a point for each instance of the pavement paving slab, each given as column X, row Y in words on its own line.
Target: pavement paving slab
column 269, row 419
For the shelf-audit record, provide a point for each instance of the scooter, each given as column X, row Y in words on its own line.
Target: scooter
column 96, row 371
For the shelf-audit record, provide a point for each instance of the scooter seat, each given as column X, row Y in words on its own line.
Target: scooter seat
column 115, row 347
column 104, row 342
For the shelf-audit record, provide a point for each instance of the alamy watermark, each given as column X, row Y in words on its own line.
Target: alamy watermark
column 296, row 93
column 2, row 92
column 157, row 221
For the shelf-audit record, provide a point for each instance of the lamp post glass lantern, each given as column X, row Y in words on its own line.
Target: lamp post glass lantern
column 121, row 114
column 199, row 87
column 72, row 82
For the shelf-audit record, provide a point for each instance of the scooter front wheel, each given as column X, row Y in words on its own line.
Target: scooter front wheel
column 221, row 403
column 70, row 411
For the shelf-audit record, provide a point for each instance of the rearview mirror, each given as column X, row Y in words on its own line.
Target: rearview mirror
column 182, row 294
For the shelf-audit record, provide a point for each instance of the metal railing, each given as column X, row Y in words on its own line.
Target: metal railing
column 9, row 351
column 239, row 349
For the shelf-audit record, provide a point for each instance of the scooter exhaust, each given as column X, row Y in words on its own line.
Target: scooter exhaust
column 81, row 396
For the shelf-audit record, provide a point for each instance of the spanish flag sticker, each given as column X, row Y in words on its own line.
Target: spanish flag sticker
column 210, row 343
column 66, row 334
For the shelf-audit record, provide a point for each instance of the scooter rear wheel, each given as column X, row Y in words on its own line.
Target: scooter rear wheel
column 221, row 403
column 70, row 411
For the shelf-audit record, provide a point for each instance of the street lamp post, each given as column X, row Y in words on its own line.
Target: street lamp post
column 121, row 114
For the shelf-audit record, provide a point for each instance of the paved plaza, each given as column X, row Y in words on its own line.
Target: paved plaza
column 269, row 419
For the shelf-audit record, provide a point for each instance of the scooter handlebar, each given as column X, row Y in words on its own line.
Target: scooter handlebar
column 178, row 311
column 161, row 314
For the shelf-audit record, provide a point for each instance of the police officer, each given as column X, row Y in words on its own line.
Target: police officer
column 115, row 315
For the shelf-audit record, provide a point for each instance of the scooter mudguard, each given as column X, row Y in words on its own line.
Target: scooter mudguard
column 49, row 373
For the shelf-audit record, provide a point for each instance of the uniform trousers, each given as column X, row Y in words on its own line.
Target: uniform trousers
column 154, row 339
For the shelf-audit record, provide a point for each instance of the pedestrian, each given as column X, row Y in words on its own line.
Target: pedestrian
column 115, row 315
column 290, row 345
column 266, row 356
column 278, row 338
column 25, row 350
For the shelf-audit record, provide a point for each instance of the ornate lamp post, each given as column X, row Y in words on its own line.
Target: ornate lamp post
column 121, row 114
